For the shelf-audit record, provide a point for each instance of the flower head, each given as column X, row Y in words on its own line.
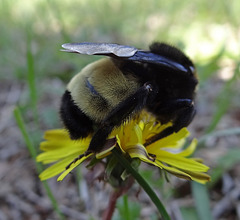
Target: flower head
column 167, row 153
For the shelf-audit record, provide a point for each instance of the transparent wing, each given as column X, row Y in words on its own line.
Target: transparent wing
column 100, row 49
column 118, row 51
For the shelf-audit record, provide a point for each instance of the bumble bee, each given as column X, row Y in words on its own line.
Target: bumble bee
column 112, row 90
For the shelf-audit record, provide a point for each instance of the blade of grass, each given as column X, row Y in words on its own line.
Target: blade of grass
column 33, row 153
column 31, row 79
column 27, row 139
column 142, row 183
column 126, row 209
column 202, row 201
column 224, row 100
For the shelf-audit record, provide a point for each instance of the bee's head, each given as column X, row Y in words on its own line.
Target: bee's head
column 177, row 60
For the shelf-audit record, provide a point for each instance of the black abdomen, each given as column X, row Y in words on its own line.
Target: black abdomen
column 75, row 121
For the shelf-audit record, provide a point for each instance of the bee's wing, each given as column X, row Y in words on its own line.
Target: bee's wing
column 115, row 50
column 122, row 52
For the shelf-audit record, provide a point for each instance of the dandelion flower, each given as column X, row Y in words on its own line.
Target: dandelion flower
column 167, row 153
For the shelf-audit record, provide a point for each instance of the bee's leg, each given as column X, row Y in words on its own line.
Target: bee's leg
column 124, row 110
column 76, row 122
column 184, row 110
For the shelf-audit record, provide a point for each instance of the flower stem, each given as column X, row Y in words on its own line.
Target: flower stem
column 142, row 183
column 107, row 215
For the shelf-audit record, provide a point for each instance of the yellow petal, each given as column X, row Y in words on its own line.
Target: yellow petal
column 180, row 162
column 56, row 134
column 109, row 145
column 115, row 132
column 59, row 138
column 119, row 143
column 56, row 168
column 153, row 128
column 66, row 172
column 139, row 151
column 188, row 175
column 199, row 177
column 189, row 150
column 104, row 153
column 136, row 136
column 175, row 171
column 174, row 140
column 59, row 153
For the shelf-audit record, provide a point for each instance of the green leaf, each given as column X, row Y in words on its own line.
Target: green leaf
column 202, row 201
column 31, row 79
column 110, row 166
column 127, row 210
column 189, row 213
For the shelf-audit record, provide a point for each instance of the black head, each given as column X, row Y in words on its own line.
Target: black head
column 174, row 86
column 175, row 55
